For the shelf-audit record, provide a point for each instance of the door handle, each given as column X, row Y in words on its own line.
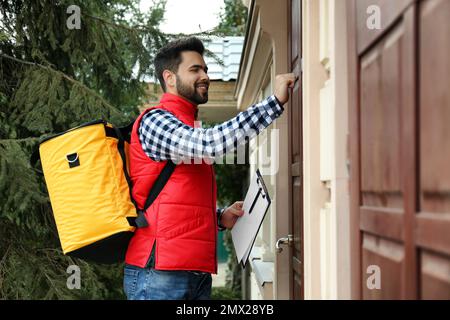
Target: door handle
column 289, row 240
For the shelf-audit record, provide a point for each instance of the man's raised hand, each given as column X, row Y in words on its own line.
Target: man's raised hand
column 283, row 82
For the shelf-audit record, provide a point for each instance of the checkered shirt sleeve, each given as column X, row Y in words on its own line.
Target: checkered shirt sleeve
column 164, row 137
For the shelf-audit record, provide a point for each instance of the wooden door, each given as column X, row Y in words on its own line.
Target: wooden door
column 400, row 147
column 295, row 151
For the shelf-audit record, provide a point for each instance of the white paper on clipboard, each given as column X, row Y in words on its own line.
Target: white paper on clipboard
column 256, row 204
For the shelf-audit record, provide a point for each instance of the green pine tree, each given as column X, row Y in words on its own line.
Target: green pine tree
column 53, row 78
column 233, row 18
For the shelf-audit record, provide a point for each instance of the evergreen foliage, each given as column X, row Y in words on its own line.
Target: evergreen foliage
column 53, row 78
column 233, row 18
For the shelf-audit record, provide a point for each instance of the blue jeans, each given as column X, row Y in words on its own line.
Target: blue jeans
column 151, row 284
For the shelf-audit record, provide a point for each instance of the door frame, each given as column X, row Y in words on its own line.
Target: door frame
column 298, row 168
column 353, row 94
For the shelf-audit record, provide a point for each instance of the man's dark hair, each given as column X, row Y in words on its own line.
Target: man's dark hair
column 169, row 56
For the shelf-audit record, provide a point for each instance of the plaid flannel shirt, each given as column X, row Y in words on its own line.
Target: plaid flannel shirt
column 164, row 137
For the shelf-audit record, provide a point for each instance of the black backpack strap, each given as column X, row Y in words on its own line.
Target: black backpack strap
column 121, row 148
column 159, row 183
column 140, row 221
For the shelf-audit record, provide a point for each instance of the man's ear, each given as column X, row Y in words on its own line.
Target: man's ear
column 169, row 78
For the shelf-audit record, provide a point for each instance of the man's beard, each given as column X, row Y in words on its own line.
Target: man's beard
column 191, row 93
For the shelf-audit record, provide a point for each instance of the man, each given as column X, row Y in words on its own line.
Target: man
column 174, row 256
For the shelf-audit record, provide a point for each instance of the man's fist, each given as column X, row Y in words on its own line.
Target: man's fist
column 282, row 83
column 231, row 214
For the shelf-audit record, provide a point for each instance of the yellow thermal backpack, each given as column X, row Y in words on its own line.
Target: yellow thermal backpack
column 87, row 176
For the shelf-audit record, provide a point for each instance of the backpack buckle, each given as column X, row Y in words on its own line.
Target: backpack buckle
column 141, row 221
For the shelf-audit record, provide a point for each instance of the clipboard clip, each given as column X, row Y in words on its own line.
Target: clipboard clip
column 260, row 193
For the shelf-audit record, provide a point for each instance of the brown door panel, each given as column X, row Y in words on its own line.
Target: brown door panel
column 401, row 149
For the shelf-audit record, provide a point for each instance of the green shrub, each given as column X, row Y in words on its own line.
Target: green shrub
column 223, row 293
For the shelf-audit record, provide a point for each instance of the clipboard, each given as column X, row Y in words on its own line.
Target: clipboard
column 256, row 204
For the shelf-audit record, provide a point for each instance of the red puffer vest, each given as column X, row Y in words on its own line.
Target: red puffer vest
column 182, row 220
